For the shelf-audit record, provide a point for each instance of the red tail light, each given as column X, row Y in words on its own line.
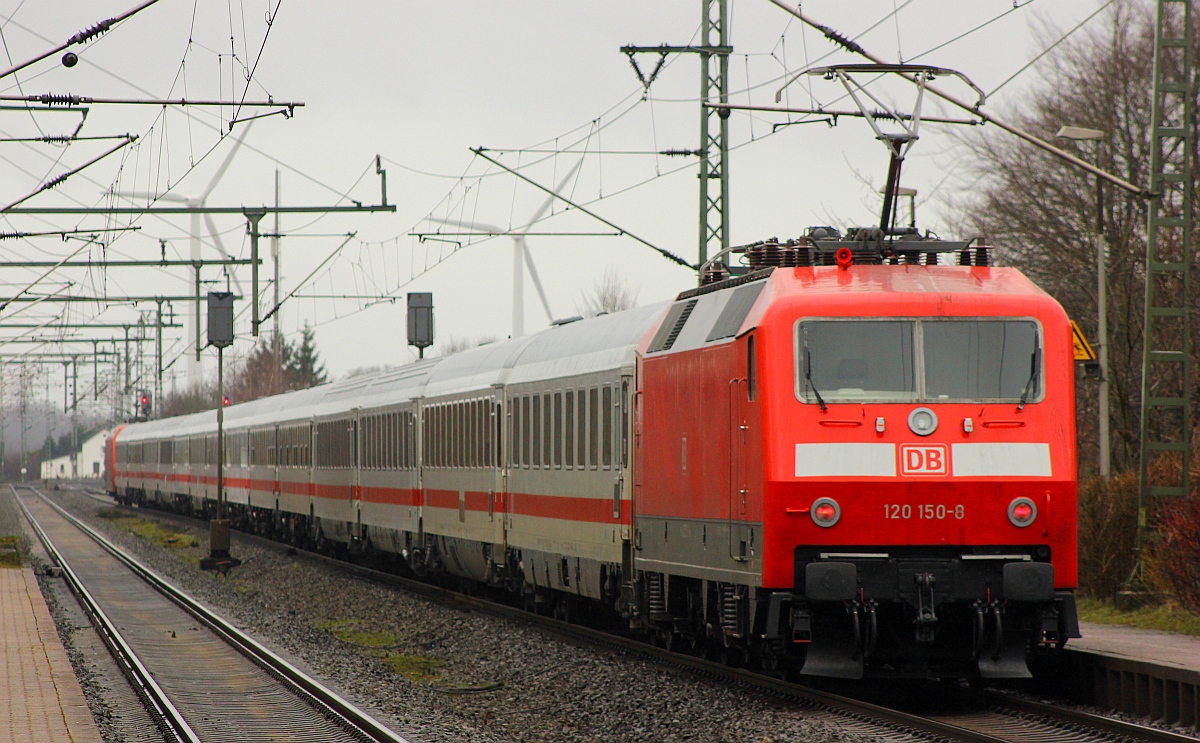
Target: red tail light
column 825, row 512
column 1022, row 512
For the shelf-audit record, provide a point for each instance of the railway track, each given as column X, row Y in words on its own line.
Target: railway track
column 200, row 677
column 967, row 717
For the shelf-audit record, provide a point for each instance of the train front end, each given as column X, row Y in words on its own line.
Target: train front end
column 919, row 469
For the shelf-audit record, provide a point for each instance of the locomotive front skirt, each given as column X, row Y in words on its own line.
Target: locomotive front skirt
column 857, row 470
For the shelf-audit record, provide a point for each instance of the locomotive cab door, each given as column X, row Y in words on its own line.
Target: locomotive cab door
column 738, row 441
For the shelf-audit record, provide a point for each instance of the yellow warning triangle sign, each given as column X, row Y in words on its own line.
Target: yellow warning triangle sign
column 1083, row 350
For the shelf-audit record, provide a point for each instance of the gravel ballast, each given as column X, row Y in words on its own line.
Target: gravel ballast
column 418, row 666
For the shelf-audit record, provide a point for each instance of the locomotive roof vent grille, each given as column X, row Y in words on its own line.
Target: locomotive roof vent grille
column 735, row 311
column 672, row 325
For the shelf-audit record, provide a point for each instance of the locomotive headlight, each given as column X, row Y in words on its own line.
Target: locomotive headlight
column 1022, row 512
column 825, row 512
column 922, row 421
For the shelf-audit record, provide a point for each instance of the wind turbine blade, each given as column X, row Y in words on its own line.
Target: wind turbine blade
column 537, row 282
column 467, row 225
column 237, row 144
column 550, row 199
column 216, row 238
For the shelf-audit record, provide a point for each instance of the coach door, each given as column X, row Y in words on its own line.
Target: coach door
column 356, row 459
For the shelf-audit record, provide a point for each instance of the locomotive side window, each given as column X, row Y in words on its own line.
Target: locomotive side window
column 981, row 359
column 926, row 360
column 750, row 367
column 857, row 360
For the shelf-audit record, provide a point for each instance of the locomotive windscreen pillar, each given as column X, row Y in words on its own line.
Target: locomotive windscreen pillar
column 220, row 334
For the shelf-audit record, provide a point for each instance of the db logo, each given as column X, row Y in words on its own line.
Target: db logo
column 923, row 459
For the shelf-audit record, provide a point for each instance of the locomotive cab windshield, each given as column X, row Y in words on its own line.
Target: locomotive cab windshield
column 918, row 360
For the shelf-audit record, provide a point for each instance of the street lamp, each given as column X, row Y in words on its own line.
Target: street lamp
column 1098, row 136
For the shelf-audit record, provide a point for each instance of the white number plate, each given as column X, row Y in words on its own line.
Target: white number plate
column 930, row 511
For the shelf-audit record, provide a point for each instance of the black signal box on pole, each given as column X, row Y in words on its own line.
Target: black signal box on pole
column 220, row 319
column 420, row 320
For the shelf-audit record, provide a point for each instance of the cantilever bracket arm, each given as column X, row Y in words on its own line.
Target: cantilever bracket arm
column 479, row 151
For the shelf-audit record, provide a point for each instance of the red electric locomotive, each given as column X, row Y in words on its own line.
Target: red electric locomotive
column 860, row 467
column 883, row 460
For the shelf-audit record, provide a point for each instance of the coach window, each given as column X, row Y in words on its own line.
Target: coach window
column 608, row 425
column 558, row 429
column 472, row 432
column 569, row 428
column 469, row 433
column 537, row 431
column 514, row 431
column 440, row 420
column 594, row 427
column 547, row 430
column 477, row 431
column 581, row 428
column 439, row 436
column 466, row 433
column 526, row 436
column 402, row 443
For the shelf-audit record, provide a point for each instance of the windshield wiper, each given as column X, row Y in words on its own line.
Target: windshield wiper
column 1033, row 370
column 808, row 376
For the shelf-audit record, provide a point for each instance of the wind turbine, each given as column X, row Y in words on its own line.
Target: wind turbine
column 194, row 369
column 521, row 256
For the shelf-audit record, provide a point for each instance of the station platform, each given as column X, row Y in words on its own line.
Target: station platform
column 40, row 698
column 1150, row 674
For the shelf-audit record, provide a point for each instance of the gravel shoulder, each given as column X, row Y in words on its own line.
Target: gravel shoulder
column 419, row 666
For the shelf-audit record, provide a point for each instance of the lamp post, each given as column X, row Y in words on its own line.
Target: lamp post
column 1098, row 136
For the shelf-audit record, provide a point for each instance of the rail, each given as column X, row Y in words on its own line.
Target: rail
column 308, row 688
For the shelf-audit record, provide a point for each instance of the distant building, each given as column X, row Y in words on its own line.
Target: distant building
column 88, row 462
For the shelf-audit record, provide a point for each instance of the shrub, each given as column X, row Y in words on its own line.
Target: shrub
column 1107, row 532
column 1177, row 552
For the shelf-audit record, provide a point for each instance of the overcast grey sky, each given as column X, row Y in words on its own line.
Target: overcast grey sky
column 419, row 83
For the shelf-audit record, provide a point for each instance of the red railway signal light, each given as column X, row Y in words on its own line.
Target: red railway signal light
column 226, row 401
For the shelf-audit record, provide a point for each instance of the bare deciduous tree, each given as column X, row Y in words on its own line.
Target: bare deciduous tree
column 457, row 344
column 610, row 293
column 1041, row 213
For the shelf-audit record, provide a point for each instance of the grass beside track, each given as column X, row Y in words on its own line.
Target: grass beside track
column 11, row 552
column 156, row 533
column 1167, row 617
column 416, row 668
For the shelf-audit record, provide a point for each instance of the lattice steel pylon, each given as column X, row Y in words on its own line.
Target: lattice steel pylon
column 1166, row 360
column 714, row 53
column 714, row 129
